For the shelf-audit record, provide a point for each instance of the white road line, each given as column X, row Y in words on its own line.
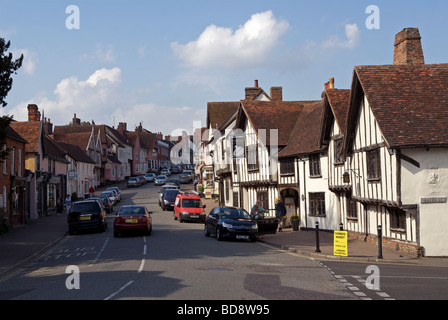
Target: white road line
column 99, row 253
column 119, row 290
column 142, row 265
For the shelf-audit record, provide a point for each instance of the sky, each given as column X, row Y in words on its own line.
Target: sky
column 158, row 63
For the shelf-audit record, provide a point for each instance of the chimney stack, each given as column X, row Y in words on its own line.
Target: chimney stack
column 408, row 47
column 122, row 127
column 76, row 121
column 277, row 94
column 33, row 113
column 329, row 85
column 48, row 127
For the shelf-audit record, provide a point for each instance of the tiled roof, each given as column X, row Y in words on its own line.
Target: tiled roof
column 30, row 132
column 305, row 135
column 339, row 100
column 219, row 112
column 76, row 152
column 271, row 115
column 409, row 102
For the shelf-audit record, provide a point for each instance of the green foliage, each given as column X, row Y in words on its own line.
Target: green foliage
column 8, row 66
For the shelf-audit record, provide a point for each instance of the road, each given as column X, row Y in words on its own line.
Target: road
column 177, row 262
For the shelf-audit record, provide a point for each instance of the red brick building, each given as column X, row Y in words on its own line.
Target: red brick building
column 12, row 179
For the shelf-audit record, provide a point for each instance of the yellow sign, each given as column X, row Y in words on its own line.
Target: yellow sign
column 340, row 243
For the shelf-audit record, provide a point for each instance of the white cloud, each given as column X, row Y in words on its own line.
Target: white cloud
column 246, row 47
column 29, row 60
column 352, row 34
column 102, row 98
column 95, row 98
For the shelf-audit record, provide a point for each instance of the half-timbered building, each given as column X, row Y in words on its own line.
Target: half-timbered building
column 397, row 143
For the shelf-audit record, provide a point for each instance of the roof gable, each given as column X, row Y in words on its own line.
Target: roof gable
column 409, row 102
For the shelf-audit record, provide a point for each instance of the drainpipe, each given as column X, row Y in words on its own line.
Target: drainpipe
column 304, row 192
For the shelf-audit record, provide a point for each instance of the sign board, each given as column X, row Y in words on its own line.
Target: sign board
column 208, row 193
column 434, row 200
column 340, row 243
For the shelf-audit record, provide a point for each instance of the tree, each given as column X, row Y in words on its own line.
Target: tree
column 8, row 66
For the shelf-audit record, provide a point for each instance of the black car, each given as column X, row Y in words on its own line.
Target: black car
column 168, row 199
column 236, row 223
column 87, row 215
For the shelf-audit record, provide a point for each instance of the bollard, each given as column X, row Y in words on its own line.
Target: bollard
column 317, row 237
column 341, row 227
column 380, row 243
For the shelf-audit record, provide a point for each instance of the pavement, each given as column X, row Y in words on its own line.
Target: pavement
column 25, row 243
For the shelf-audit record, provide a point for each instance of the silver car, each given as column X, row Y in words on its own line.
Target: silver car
column 160, row 180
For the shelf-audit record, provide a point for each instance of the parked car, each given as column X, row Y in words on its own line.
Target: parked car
column 165, row 172
column 116, row 194
column 176, row 182
column 133, row 218
column 110, row 195
column 168, row 198
column 188, row 206
column 133, row 182
column 175, row 170
column 185, row 178
column 86, row 215
column 108, row 206
column 162, row 190
column 160, row 180
column 117, row 190
column 150, row 177
column 142, row 180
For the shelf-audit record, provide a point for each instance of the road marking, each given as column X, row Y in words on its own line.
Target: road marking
column 119, row 290
column 142, row 265
column 100, row 252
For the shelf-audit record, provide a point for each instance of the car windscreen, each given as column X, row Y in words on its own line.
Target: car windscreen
column 229, row 213
column 132, row 211
column 107, row 194
column 85, row 207
column 170, row 194
column 191, row 203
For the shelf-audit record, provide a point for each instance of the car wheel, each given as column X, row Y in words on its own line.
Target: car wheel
column 116, row 234
column 206, row 233
column 218, row 234
column 174, row 216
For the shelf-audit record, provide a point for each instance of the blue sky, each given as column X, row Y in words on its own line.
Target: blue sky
column 160, row 62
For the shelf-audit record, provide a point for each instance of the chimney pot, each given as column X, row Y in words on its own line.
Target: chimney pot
column 256, row 83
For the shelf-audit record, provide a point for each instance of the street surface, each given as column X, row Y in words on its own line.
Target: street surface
column 177, row 262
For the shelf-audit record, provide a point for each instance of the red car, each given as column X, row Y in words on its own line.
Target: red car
column 133, row 218
column 188, row 206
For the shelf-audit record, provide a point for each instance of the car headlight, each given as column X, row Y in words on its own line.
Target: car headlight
column 185, row 212
column 255, row 226
column 227, row 225
column 166, row 202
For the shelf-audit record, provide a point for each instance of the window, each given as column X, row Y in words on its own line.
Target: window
column 235, row 200
column 252, row 157
column 397, row 219
column 287, row 167
column 13, row 161
column 315, row 165
column 337, row 151
column 352, row 211
column 263, row 197
column 317, row 204
column 373, row 165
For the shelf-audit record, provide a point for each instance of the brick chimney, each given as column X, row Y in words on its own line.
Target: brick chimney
column 122, row 127
column 329, row 84
column 408, row 47
column 76, row 121
column 252, row 93
column 48, row 127
column 277, row 94
column 33, row 113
